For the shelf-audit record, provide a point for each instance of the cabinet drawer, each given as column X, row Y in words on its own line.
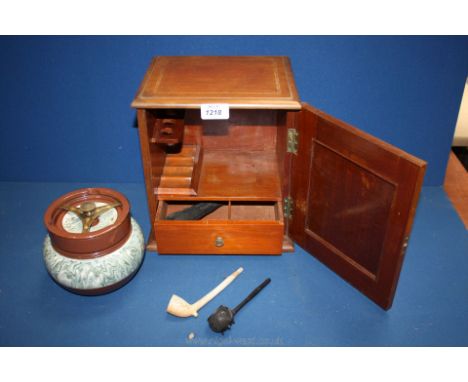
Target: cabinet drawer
column 235, row 228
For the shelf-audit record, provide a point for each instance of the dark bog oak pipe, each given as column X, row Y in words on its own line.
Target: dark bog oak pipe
column 195, row 212
column 223, row 318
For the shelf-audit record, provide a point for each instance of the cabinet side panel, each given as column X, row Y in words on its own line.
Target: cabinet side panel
column 144, row 131
column 286, row 120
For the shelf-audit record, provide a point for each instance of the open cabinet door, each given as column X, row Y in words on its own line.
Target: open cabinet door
column 354, row 201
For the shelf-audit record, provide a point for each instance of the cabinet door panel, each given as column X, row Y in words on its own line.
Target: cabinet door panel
column 354, row 202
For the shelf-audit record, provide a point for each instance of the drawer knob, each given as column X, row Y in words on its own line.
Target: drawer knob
column 219, row 241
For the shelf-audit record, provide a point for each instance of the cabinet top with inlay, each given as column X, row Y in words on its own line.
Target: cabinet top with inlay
column 243, row 82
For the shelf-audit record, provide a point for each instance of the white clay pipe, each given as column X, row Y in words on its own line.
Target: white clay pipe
column 179, row 307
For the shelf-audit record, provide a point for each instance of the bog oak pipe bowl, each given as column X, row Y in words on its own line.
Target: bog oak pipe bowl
column 223, row 318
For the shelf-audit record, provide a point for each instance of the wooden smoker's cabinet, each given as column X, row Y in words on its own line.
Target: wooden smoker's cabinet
column 284, row 172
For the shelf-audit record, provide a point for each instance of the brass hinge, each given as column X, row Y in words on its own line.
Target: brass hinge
column 288, row 207
column 292, row 141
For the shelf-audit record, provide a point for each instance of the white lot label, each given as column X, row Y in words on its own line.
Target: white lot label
column 214, row 111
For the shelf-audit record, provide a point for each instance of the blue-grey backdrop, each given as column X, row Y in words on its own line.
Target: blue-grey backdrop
column 65, row 101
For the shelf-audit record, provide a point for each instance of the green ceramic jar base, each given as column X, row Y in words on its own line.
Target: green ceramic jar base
column 98, row 275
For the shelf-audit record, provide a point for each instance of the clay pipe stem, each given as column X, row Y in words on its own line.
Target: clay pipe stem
column 210, row 295
column 251, row 296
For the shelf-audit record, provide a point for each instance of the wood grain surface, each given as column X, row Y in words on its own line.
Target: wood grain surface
column 355, row 198
column 242, row 82
column 456, row 187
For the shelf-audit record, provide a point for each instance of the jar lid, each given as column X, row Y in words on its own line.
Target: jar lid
column 88, row 222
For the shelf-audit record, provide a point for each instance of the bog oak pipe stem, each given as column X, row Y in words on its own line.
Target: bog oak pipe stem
column 223, row 318
column 251, row 295
column 195, row 212
column 179, row 307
